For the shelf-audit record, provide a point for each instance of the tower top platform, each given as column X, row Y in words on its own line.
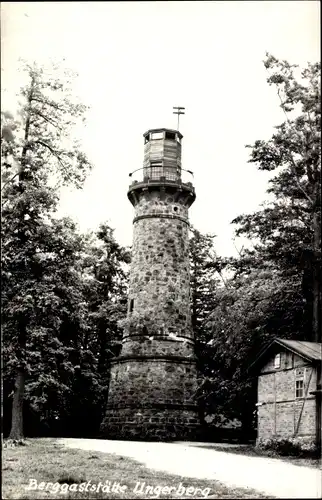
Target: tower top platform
column 160, row 133
column 161, row 165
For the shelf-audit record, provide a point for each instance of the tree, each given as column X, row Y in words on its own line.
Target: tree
column 49, row 290
column 36, row 149
column 248, row 313
column 203, row 280
column 105, row 270
column 78, row 298
column 288, row 230
column 274, row 288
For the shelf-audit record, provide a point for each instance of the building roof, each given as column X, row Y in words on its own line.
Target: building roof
column 311, row 351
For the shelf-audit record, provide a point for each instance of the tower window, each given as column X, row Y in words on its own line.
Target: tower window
column 131, row 305
column 156, row 170
column 170, row 135
column 157, row 135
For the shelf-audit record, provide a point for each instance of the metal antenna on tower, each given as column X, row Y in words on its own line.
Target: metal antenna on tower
column 178, row 112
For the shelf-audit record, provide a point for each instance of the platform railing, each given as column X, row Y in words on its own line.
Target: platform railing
column 153, row 174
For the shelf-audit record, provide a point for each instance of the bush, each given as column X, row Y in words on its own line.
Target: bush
column 283, row 447
column 289, row 447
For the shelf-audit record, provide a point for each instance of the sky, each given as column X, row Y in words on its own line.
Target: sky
column 135, row 61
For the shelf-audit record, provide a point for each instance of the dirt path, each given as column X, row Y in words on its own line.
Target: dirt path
column 267, row 475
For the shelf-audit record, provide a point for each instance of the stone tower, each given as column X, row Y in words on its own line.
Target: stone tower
column 154, row 380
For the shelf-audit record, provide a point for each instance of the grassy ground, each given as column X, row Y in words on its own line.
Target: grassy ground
column 252, row 451
column 44, row 460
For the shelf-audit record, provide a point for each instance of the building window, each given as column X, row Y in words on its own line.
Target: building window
column 131, row 305
column 299, row 383
column 299, row 388
column 170, row 135
column 147, row 138
column 156, row 135
column 277, row 361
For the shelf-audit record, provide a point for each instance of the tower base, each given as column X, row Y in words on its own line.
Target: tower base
column 152, row 396
column 151, row 424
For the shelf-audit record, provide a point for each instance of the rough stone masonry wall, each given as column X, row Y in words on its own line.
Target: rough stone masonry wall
column 159, row 279
column 278, row 417
column 154, row 380
column 152, row 399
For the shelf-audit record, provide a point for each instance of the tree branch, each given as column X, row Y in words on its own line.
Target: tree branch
column 37, row 112
column 238, row 251
column 10, row 180
column 293, row 164
column 51, row 104
column 53, row 152
column 222, row 278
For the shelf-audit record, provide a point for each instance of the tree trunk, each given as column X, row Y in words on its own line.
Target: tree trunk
column 19, row 388
column 17, row 407
column 316, row 275
column 193, row 292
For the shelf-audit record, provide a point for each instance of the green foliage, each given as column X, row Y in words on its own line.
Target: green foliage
column 249, row 311
column 62, row 291
column 273, row 288
column 74, row 308
column 287, row 231
column 37, row 254
column 282, row 447
column 105, row 275
column 203, row 279
column 292, row 447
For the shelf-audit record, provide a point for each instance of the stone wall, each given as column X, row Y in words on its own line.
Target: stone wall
column 159, row 279
column 152, row 393
column 164, row 424
column 147, row 381
column 280, row 412
column 152, row 399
